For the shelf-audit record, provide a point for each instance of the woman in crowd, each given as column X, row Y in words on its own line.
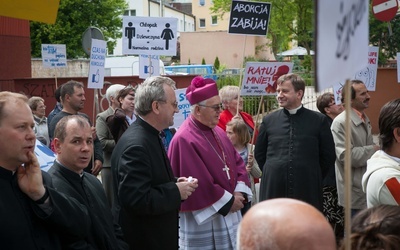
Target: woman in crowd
column 124, row 116
column 38, row 108
column 376, row 228
column 238, row 134
column 232, row 104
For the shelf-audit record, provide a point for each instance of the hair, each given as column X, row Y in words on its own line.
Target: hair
column 239, row 127
column 57, row 94
column 33, row 102
column 10, row 98
column 152, row 89
column 324, row 100
column 353, row 91
column 228, row 93
column 296, row 80
column 112, row 91
column 60, row 131
column 193, row 107
column 68, row 88
column 124, row 92
column 389, row 119
column 376, row 228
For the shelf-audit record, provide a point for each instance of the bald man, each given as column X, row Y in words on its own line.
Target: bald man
column 285, row 224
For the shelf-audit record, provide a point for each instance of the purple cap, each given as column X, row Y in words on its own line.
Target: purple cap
column 201, row 89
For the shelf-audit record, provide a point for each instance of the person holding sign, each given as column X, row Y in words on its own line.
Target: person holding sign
column 233, row 106
column 210, row 217
column 362, row 145
column 294, row 148
column 73, row 100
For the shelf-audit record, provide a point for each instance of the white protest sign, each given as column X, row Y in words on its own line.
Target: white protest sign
column 368, row 74
column 342, row 40
column 250, row 18
column 149, row 35
column 45, row 156
column 54, row 55
column 183, row 106
column 145, row 69
column 337, row 92
column 96, row 66
column 260, row 77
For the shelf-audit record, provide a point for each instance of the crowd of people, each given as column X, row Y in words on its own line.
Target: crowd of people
column 194, row 187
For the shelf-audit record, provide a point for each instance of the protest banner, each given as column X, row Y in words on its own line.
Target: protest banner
column 260, row 77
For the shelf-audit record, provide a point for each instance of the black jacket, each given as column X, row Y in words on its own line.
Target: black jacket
column 23, row 223
column 145, row 189
column 103, row 234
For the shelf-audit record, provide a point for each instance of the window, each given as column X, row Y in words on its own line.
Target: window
column 214, row 20
column 202, row 23
column 202, row 2
column 130, row 13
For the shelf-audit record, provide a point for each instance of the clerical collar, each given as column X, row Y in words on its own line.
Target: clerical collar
column 80, row 174
column 294, row 111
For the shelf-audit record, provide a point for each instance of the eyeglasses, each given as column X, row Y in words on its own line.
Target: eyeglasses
column 174, row 104
column 41, row 107
column 217, row 107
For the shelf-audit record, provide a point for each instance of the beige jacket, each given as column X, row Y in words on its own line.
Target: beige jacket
column 362, row 148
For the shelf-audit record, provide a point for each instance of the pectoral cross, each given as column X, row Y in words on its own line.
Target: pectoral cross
column 226, row 169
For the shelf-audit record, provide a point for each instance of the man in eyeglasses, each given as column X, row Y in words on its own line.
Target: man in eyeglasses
column 294, row 148
column 210, row 217
column 147, row 196
column 332, row 210
column 326, row 105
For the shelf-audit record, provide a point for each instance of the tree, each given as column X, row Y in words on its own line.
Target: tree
column 74, row 17
column 216, row 63
column 289, row 20
column 389, row 44
column 203, row 61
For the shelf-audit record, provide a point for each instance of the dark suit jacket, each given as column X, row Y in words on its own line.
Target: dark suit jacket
column 145, row 189
column 25, row 225
column 87, row 190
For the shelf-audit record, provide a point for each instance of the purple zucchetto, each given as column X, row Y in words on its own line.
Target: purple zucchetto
column 201, row 89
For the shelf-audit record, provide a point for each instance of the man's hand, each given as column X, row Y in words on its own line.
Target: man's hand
column 238, row 203
column 30, row 178
column 186, row 188
column 97, row 166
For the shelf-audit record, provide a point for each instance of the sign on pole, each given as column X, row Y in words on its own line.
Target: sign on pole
column 368, row 74
column 149, row 35
column 249, row 18
column 149, row 66
column 260, row 77
column 342, row 40
column 54, row 55
column 183, row 106
column 96, row 66
column 385, row 10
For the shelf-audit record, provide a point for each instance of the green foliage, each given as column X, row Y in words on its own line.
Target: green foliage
column 189, row 61
column 216, row 64
column 203, row 61
column 74, row 17
column 379, row 36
